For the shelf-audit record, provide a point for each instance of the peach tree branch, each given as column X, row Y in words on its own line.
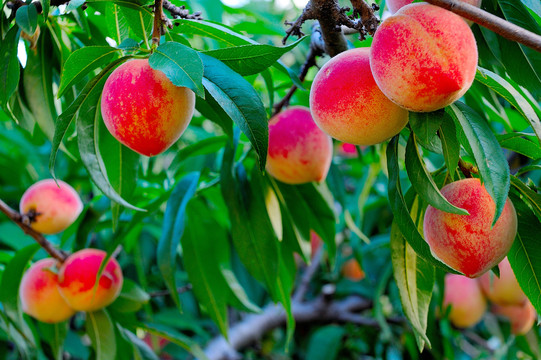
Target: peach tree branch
column 23, row 221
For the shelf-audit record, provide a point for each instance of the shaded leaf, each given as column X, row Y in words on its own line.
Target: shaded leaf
column 9, row 65
column 325, row 343
column 450, row 146
column 27, row 18
column 100, row 329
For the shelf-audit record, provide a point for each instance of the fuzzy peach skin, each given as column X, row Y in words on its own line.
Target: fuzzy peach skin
column 39, row 293
column 143, row 109
column 298, row 152
column 347, row 104
column 464, row 295
column 504, row 290
column 56, row 206
column 521, row 317
column 466, row 242
column 423, row 57
column 395, row 5
column 77, row 277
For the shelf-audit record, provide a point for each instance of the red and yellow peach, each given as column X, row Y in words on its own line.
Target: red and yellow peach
column 464, row 295
column 469, row 243
column 347, row 104
column 77, row 280
column 423, row 58
column 39, row 293
column 521, row 317
column 143, row 109
column 395, row 5
column 54, row 206
column 504, row 290
column 298, row 152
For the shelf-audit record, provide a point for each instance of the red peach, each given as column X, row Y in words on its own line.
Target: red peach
column 347, row 104
column 56, row 206
column 395, row 5
column 424, row 57
column 143, row 109
column 522, row 317
column 468, row 305
column 469, row 243
column 299, row 152
column 504, row 290
column 39, row 293
column 77, row 280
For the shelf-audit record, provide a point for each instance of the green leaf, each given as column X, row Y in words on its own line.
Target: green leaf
column 415, row 278
column 238, row 296
column 476, row 136
column 204, row 247
column 139, row 18
column 181, row 64
column 525, row 255
column 530, row 197
column 202, row 147
column 172, row 230
column 212, row 31
column 401, row 213
column 116, row 23
column 81, row 62
column 508, row 89
column 240, row 101
column 176, row 338
column 251, row 59
column 131, row 298
column 55, row 335
column 325, row 343
column 422, row 182
column 101, row 331
column 139, row 346
column 9, row 65
column 521, row 143
column 450, row 146
column 426, row 126
column 27, row 18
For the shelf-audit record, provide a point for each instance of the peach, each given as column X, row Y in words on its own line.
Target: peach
column 347, row 104
column 504, row 290
column 395, row 5
column 315, row 242
column 77, row 280
column 39, row 293
column 352, row 270
column 55, row 206
column 521, row 317
column 469, row 243
column 143, row 109
column 464, row 295
column 423, row 57
column 299, row 152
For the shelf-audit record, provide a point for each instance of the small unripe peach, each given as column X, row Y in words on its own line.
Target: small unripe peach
column 55, row 206
column 468, row 305
column 521, row 317
column 504, row 290
column 423, row 57
column 347, row 104
column 77, row 280
column 352, row 270
column 299, row 152
column 143, row 109
column 39, row 293
column 469, row 243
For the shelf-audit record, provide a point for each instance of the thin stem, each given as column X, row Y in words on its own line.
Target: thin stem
column 24, row 223
column 158, row 22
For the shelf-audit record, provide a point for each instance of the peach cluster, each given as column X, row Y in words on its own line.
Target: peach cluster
column 143, row 109
column 53, row 292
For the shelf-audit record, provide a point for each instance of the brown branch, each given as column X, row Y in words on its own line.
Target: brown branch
column 158, row 29
column 180, row 12
column 467, row 168
column 23, row 221
column 492, row 22
column 180, row 290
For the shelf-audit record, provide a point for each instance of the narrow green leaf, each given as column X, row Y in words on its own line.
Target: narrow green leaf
column 521, row 143
column 422, row 182
column 251, row 59
column 426, row 126
column 450, row 146
column 181, row 64
column 81, row 62
column 238, row 297
column 172, row 230
column 240, row 101
column 9, row 65
column 100, row 329
column 325, row 343
column 400, row 210
column 55, row 335
column 27, row 18
column 478, row 139
column 213, row 31
column 508, row 89
column 131, row 298
column 530, row 197
column 116, row 23
column 139, row 19
column 139, row 346
column 176, row 338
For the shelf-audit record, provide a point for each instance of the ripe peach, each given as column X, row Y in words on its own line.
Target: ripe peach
column 77, row 280
column 423, row 57
column 395, row 5
column 467, row 300
column 352, row 270
column 467, row 243
column 347, row 104
column 143, row 109
column 39, row 293
column 522, row 317
column 56, row 206
column 504, row 290
column 299, row 152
